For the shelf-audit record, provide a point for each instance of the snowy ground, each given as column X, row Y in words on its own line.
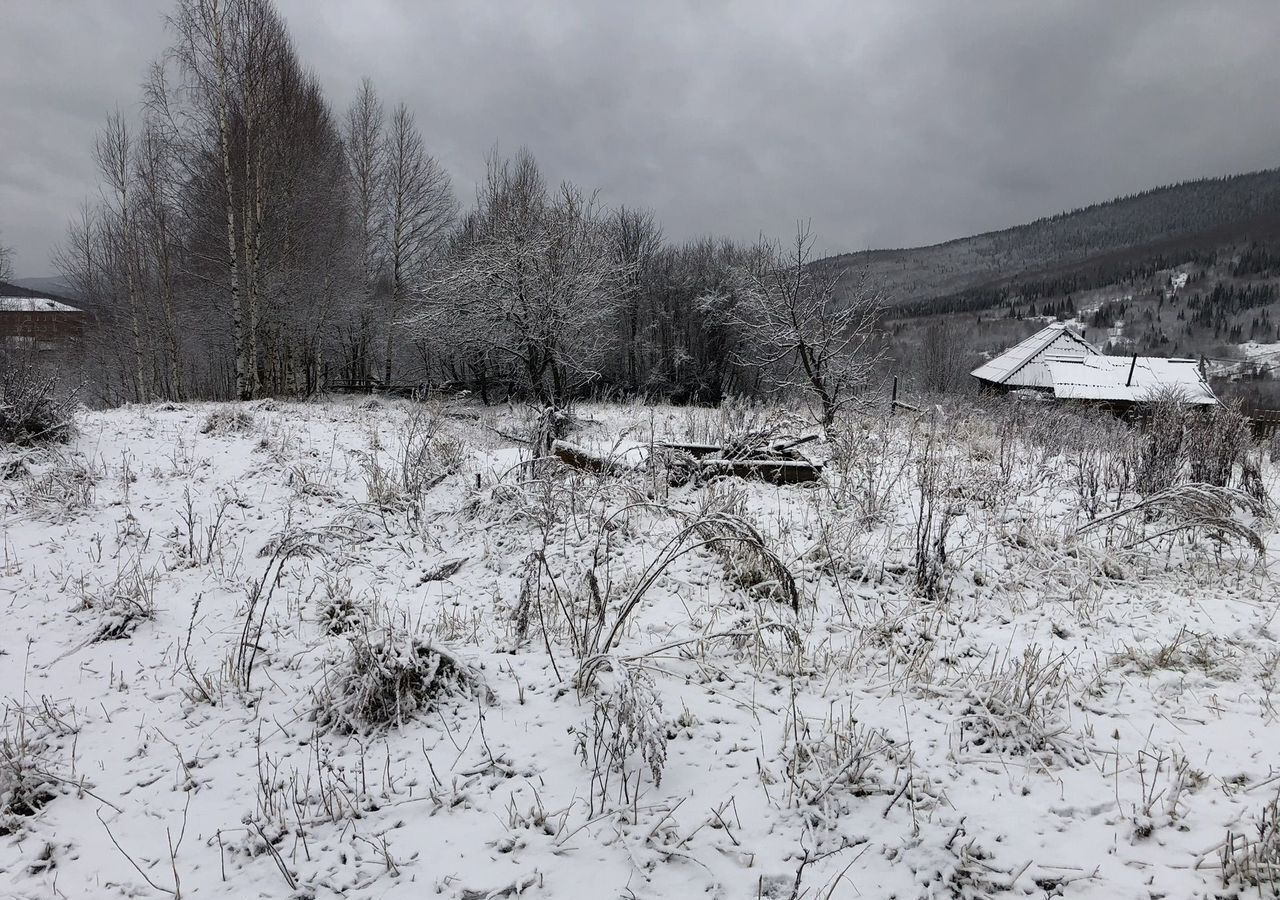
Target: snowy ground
column 1046, row 714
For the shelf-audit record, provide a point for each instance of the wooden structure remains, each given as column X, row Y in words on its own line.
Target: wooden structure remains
column 777, row 463
column 1057, row 362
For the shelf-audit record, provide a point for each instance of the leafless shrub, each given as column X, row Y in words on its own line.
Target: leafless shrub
column 748, row 560
column 933, row 519
column 339, row 612
column 29, row 761
column 1016, row 710
column 1162, row 453
column 420, row 460
column 626, row 721
column 199, row 542
column 867, row 465
column 1099, row 460
column 387, row 676
column 227, row 419
column 1189, row 507
column 32, row 409
column 122, row 604
column 1217, row 440
column 1251, row 858
column 828, row 765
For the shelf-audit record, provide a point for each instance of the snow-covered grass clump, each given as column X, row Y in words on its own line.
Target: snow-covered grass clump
column 389, row 650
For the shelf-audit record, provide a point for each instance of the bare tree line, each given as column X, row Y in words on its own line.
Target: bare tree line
column 6, row 262
column 248, row 242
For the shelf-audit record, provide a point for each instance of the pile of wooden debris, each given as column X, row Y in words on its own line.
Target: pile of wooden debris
column 754, row 455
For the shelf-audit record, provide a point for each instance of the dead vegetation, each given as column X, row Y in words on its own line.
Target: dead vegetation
column 969, row 593
column 33, row 408
column 387, row 676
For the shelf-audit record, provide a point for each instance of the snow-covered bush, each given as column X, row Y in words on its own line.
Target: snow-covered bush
column 626, row 721
column 122, row 604
column 387, row 676
column 32, row 409
column 25, row 785
column 1216, row 441
column 339, row 612
column 826, row 765
column 227, row 420
column 1251, row 857
column 1162, row 452
column 1018, row 710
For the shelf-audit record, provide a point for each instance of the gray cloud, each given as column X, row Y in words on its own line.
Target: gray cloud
column 888, row 123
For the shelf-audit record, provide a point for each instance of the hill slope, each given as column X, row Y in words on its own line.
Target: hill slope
column 1194, row 215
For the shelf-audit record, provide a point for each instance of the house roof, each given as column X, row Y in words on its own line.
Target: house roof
column 1108, row 378
column 34, row 304
column 1058, row 360
column 1057, row 335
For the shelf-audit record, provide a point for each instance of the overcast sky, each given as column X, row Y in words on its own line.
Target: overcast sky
column 888, row 123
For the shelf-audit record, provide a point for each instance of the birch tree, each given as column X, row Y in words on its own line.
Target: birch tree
column 204, row 29
column 365, row 168
column 114, row 155
column 419, row 210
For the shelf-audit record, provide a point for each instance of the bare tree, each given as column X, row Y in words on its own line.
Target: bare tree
column 533, row 278
column 420, row 208
column 6, row 262
column 942, row 360
column 205, row 29
column 800, row 331
column 365, row 151
column 114, row 155
column 156, row 212
column 637, row 241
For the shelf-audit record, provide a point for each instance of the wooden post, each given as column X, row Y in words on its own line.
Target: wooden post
column 1132, row 366
column 893, row 403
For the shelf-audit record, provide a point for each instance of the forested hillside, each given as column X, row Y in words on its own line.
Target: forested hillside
column 1107, row 237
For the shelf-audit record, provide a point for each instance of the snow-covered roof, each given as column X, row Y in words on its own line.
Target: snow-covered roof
column 1059, row 360
column 1056, row 339
column 33, row 304
column 1126, row 379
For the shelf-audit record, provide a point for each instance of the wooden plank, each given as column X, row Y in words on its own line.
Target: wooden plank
column 575, row 456
column 776, row 471
column 697, row 451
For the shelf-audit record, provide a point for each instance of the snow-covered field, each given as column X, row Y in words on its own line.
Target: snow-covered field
column 599, row 699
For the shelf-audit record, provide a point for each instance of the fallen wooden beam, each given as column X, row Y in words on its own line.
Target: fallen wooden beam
column 697, row 451
column 775, row 471
column 575, row 456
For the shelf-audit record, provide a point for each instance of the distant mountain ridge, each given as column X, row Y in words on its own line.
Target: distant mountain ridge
column 21, row 288
column 55, row 287
column 1192, row 214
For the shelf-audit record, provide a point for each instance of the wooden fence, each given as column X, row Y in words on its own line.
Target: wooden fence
column 1265, row 422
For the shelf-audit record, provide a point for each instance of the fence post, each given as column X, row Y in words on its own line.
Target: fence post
column 893, row 403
